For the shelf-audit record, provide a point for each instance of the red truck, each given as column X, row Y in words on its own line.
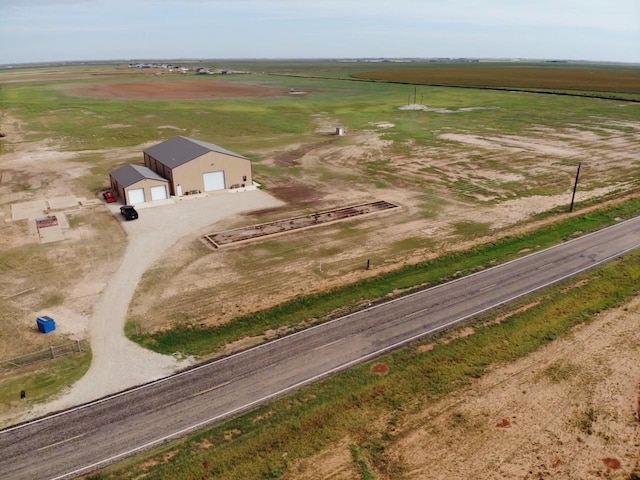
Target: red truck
column 109, row 196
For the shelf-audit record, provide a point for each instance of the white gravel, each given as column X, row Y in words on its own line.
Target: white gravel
column 117, row 362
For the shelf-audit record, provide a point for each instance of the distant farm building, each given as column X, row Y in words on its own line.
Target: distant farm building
column 182, row 166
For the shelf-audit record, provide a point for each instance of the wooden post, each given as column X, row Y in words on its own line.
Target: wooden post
column 575, row 186
column 51, row 351
column 368, row 264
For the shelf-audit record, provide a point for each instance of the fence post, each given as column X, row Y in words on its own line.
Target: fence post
column 51, row 350
column 79, row 346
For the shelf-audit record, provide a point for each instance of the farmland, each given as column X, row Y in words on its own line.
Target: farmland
column 620, row 80
column 467, row 167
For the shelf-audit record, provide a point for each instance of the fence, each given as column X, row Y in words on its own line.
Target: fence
column 54, row 351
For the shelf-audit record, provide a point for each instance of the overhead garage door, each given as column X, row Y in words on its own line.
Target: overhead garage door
column 136, row 196
column 159, row 192
column 213, row 181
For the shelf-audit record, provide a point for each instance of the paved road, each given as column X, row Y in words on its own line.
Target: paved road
column 85, row 438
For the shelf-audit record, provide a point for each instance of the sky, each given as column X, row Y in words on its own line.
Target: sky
column 93, row 30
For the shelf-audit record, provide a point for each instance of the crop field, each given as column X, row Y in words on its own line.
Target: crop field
column 556, row 78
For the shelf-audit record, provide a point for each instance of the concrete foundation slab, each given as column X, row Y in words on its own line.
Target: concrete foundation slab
column 62, row 220
column 63, row 203
column 51, row 234
column 25, row 210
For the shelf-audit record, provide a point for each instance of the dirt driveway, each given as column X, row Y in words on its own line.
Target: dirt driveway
column 117, row 362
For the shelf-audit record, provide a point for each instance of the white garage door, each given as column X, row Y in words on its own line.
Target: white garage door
column 158, row 192
column 213, row 181
column 136, row 196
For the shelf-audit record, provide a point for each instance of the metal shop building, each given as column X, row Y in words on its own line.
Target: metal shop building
column 192, row 166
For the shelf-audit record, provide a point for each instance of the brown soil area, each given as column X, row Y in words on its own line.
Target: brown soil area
column 568, row 411
column 380, row 368
column 173, row 89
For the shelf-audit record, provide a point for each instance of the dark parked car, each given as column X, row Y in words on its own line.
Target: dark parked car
column 128, row 212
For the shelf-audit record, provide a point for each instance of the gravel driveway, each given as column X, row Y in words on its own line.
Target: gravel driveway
column 117, row 362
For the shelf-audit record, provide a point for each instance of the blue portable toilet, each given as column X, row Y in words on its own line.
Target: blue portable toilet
column 46, row 324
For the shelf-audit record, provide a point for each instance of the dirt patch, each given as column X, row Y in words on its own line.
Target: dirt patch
column 229, row 434
column 380, row 369
column 334, row 464
column 205, row 444
column 173, row 89
column 426, row 108
column 612, row 463
column 503, row 423
column 290, row 158
column 296, row 193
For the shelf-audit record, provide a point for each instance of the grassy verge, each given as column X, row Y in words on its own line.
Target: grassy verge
column 365, row 409
column 41, row 380
column 297, row 313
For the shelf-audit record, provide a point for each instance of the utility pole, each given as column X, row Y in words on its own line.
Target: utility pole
column 575, row 186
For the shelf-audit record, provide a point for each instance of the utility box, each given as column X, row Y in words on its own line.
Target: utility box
column 46, row 324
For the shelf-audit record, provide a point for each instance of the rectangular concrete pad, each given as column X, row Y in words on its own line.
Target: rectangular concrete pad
column 25, row 210
column 62, row 203
column 62, row 220
column 51, row 234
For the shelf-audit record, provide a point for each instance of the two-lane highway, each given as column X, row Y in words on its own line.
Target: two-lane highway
column 85, row 438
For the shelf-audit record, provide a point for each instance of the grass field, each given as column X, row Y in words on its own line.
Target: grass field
column 40, row 381
column 458, row 171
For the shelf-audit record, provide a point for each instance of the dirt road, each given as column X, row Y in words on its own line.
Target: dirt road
column 117, row 362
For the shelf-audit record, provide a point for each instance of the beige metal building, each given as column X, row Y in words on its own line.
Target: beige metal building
column 192, row 166
column 137, row 184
